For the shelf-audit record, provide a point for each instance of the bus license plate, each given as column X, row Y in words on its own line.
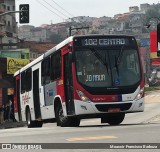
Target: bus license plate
column 114, row 110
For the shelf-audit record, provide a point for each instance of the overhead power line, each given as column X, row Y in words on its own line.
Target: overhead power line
column 62, row 8
column 55, row 8
column 71, row 28
column 49, row 9
column 66, row 11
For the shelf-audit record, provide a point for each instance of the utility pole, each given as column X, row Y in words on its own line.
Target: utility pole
column 76, row 28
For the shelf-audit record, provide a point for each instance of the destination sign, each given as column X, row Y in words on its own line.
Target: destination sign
column 104, row 42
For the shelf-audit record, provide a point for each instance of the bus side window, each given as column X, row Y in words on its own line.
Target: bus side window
column 45, row 74
column 55, row 66
column 28, row 80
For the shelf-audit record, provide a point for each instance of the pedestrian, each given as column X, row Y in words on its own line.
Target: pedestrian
column 1, row 114
column 8, row 110
column 4, row 112
column 12, row 116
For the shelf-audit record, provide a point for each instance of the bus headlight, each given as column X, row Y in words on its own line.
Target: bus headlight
column 82, row 96
column 140, row 94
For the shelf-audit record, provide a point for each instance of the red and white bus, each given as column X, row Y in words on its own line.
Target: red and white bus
column 94, row 76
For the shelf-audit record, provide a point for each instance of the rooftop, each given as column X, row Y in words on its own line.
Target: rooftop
column 40, row 47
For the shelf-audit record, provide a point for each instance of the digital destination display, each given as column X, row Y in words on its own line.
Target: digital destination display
column 104, row 42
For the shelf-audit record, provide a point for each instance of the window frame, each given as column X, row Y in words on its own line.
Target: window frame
column 44, row 72
column 23, row 82
column 28, row 79
column 56, row 66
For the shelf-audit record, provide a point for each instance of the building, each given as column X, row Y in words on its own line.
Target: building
column 133, row 8
column 37, row 48
column 24, row 32
column 144, row 7
column 15, row 53
column 8, row 25
column 81, row 19
column 11, row 58
column 135, row 22
column 31, row 33
column 8, row 66
column 60, row 29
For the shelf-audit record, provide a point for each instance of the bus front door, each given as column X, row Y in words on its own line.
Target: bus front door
column 68, row 85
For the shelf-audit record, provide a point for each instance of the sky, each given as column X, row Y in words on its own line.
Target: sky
column 47, row 11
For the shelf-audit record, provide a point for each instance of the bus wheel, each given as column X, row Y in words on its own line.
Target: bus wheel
column 61, row 119
column 30, row 123
column 38, row 123
column 116, row 118
column 75, row 122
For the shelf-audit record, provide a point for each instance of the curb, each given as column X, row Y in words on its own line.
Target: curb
column 8, row 125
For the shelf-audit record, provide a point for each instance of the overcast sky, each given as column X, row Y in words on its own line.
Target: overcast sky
column 47, row 11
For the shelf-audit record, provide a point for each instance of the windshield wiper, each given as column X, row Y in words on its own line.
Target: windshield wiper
column 120, row 56
column 101, row 59
column 116, row 65
column 118, row 60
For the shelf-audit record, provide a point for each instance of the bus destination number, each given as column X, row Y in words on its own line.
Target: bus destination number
column 103, row 42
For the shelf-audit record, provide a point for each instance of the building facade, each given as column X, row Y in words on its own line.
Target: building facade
column 8, row 25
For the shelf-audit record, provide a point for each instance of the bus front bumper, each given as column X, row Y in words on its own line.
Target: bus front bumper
column 82, row 108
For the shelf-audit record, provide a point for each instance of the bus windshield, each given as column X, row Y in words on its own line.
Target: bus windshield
column 111, row 68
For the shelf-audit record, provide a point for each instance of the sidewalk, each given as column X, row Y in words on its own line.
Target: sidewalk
column 150, row 92
column 11, row 124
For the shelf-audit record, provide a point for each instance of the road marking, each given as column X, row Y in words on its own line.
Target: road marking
column 91, row 138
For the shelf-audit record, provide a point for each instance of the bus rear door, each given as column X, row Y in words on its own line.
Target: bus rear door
column 17, row 104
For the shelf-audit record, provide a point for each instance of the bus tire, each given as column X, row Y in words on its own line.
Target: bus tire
column 38, row 124
column 115, row 118
column 61, row 119
column 30, row 123
column 75, row 122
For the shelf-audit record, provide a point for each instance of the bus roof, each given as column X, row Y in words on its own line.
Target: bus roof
column 60, row 45
column 57, row 47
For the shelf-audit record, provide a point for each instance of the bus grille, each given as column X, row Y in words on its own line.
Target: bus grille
column 105, row 108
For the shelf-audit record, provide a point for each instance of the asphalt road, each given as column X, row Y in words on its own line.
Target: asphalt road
column 136, row 128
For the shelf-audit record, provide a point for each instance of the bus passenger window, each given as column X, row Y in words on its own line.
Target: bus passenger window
column 45, row 74
column 55, row 66
column 23, row 82
column 28, row 80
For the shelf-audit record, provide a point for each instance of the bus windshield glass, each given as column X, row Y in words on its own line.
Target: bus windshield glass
column 103, row 67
